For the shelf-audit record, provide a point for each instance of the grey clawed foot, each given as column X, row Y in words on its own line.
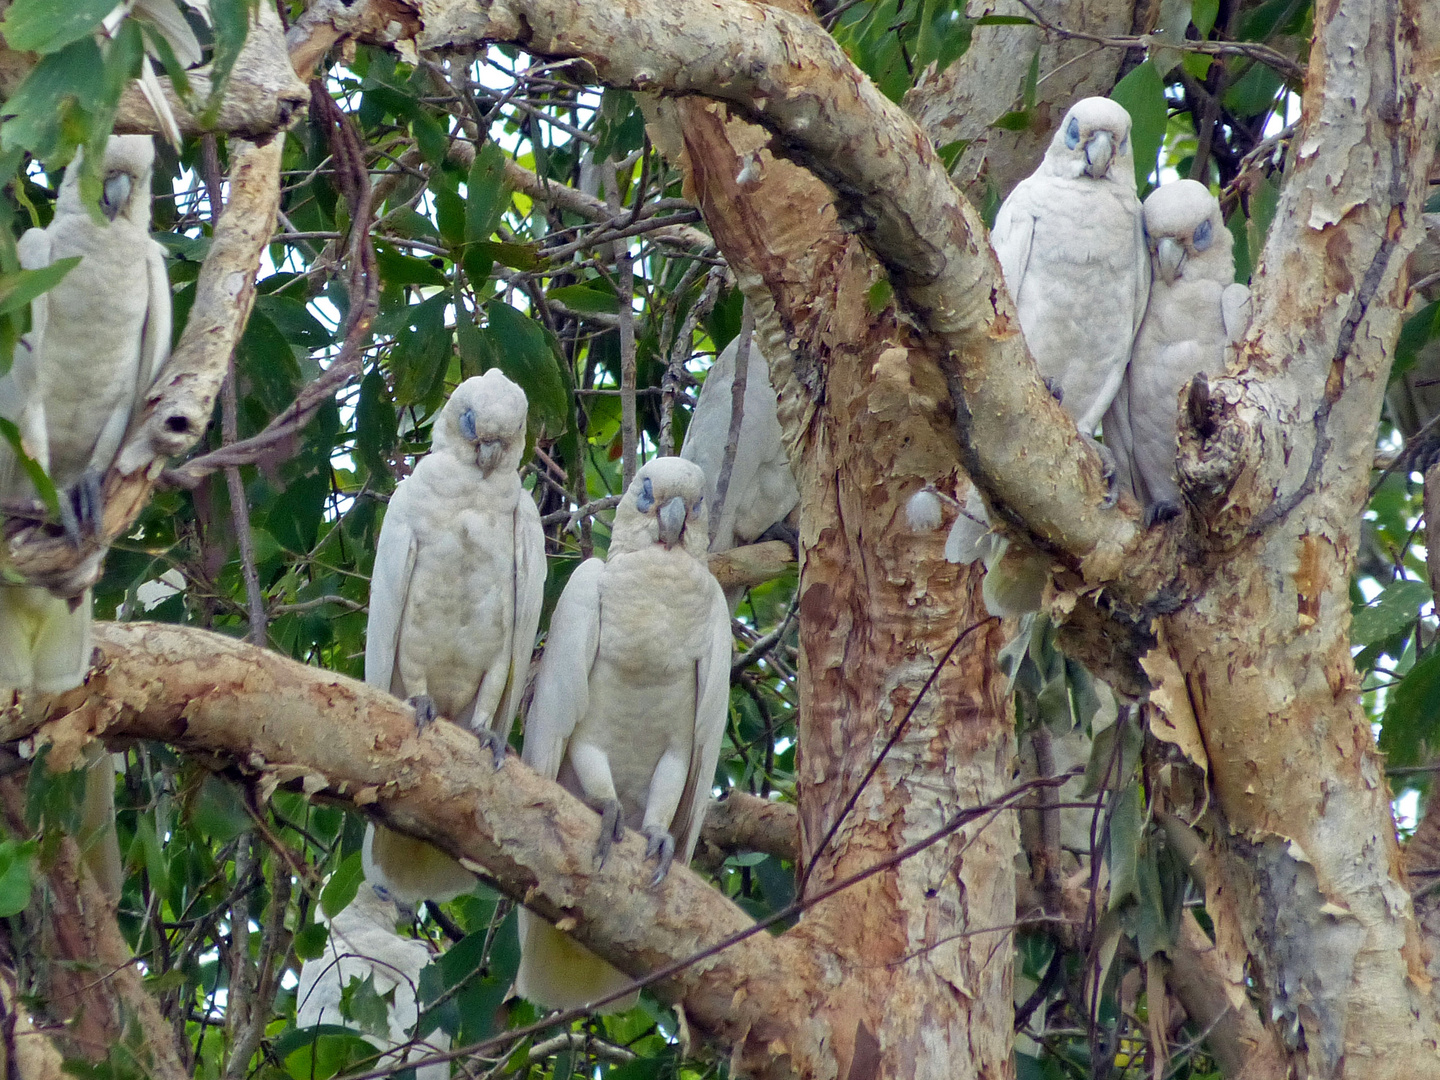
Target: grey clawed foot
column 81, row 507
column 1159, row 512
column 612, row 828
column 425, row 712
column 1056, row 391
column 1109, row 471
column 497, row 744
column 661, row 846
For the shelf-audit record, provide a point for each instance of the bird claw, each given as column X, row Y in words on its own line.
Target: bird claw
column 612, row 828
column 661, row 846
column 81, row 507
column 496, row 744
column 1056, row 391
column 1159, row 512
column 1108, row 471
column 425, row 711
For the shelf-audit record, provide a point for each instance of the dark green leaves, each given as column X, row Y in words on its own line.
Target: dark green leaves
column 344, row 883
column 1393, row 610
column 1143, row 94
column 44, row 26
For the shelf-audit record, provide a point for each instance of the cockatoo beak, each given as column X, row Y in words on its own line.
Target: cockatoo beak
column 115, row 195
column 672, row 521
column 487, row 454
column 1169, row 257
column 1098, row 153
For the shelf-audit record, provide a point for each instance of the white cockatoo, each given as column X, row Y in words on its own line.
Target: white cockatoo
column 631, row 702
column 1072, row 249
column 762, row 490
column 1196, row 312
column 455, row 601
column 363, row 945
column 78, row 379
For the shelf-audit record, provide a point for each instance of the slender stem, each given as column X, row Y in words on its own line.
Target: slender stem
column 737, row 418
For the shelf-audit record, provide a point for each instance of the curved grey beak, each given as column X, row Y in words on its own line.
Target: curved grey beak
column 487, row 454
column 115, row 195
column 1169, row 257
column 672, row 521
column 1098, row 153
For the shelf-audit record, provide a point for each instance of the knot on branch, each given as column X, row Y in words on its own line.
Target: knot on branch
column 1217, row 445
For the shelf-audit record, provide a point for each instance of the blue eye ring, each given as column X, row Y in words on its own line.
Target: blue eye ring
column 1072, row 133
column 467, row 424
column 645, row 501
column 1203, row 236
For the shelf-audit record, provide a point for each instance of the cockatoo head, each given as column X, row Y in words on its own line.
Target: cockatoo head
column 665, row 505
column 484, row 422
column 1187, row 234
column 125, row 191
column 1093, row 141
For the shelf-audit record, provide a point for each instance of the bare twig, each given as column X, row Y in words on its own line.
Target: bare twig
column 1289, row 69
column 764, row 644
column 625, row 288
column 737, row 417
column 880, row 757
column 681, row 345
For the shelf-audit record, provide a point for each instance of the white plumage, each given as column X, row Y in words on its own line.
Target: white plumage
column 97, row 341
column 631, row 701
column 762, row 490
column 455, row 600
column 1071, row 247
column 363, row 945
column 1196, row 311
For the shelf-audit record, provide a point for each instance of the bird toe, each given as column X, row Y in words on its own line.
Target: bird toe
column 425, row 711
column 1159, row 512
column 661, row 847
column 612, row 827
column 496, row 744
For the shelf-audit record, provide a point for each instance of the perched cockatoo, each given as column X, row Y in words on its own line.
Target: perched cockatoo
column 1196, row 312
column 762, row 490
column 455, row 600
column 631, row 702
column 363, row 945
column 1072, row 249
column 78, row 379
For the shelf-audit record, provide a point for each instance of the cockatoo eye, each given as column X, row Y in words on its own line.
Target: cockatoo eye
column 1072, row 133
column 467, row 424
column 646, row 501
column 1203, row 236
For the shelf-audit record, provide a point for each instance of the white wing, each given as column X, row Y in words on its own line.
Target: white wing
column 712, row 710
column 1120, row 439
column 529, row 599
column 1013, row 235
column 389, row 589
column 562, row 687
column 1235, row 311
column 155, row 340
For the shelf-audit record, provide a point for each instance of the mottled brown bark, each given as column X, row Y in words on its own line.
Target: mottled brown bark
column 864, row 411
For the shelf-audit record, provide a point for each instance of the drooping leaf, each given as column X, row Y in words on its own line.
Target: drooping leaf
column 1142, row 92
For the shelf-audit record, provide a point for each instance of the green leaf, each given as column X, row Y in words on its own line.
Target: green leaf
column 230, row 22
column 878, row 296
column 585, row 298
column 362, row 1003
column 523, row 352
column 344, row 883
column 309, row 943
column 1202, row 14
column 951, row 151
column 219, row 812
column 17, row 871
column 1412, row 716
column 1123, row 846
column 44, row 26
column 1014, row 121
column 1390, row 612
column 1032, row 81
column 1142, row 92
column 487, row 196
column 33, row 472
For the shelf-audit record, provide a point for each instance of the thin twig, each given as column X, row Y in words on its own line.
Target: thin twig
column 1272, row 58
column 625, row 289
column 884, row 750
column 764, row 644
column 589, row 510
column 738, row 384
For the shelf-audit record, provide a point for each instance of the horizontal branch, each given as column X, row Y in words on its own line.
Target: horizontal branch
column 281, row 722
